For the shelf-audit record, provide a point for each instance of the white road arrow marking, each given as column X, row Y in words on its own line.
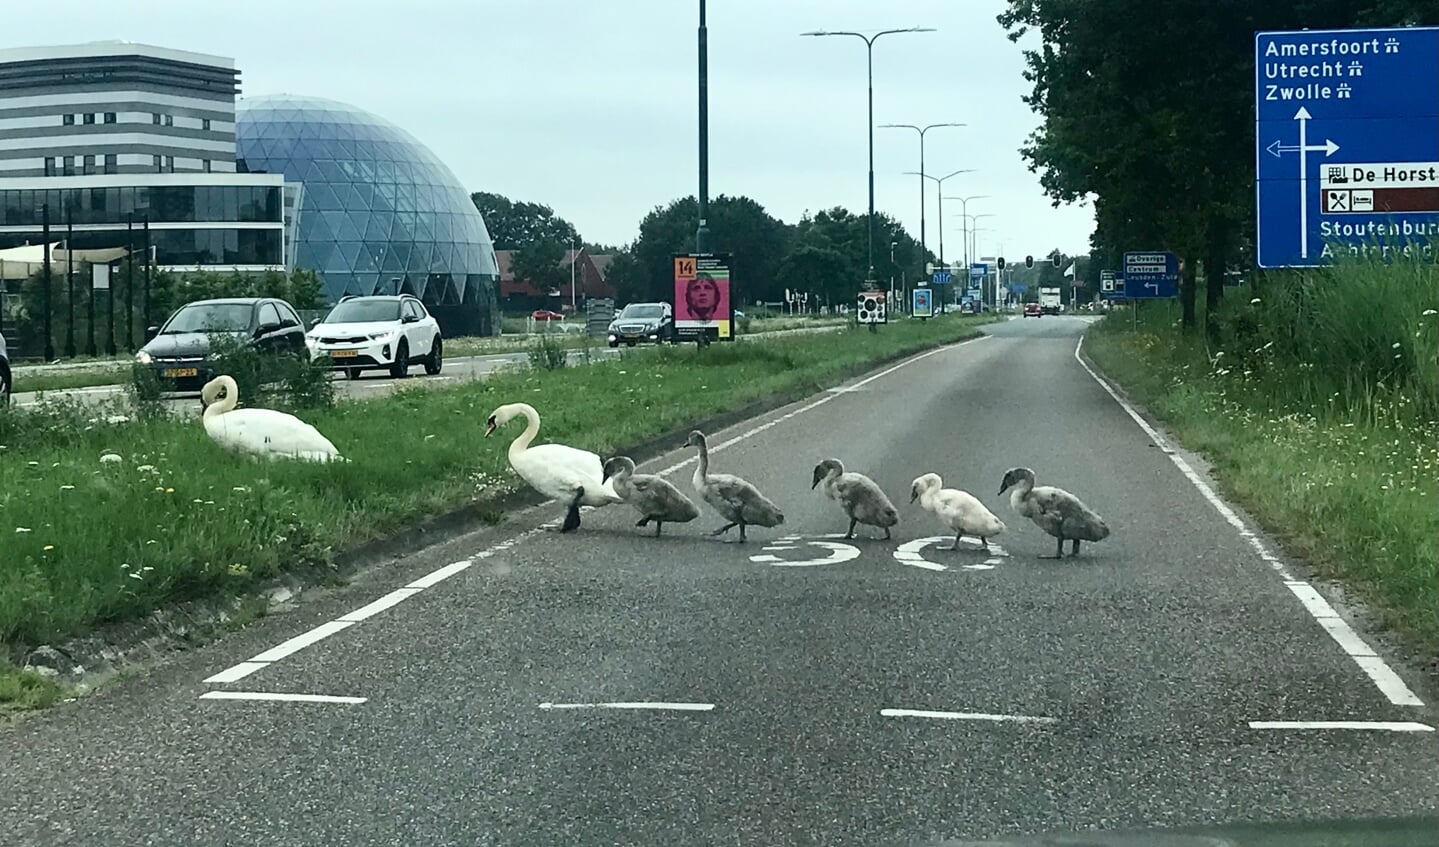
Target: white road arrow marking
column 838, row 553
column 908, row 553
column 1328, row 148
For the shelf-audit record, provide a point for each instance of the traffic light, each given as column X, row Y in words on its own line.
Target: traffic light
column 1029, row 261
column 1057, row 259
column 1000, row 262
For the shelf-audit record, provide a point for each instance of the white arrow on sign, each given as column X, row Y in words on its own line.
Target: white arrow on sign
column 1328, row 148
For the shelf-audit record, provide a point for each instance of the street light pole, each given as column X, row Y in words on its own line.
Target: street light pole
column 964, row 211
column 923, row 207
column 869, row 41
column 702, row 231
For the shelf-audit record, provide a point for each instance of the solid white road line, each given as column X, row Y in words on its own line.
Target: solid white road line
column 287, row 698
column 325, row 630
column 1383, row 726
column 674, row 707
column 1383, row 676
column 964, row 716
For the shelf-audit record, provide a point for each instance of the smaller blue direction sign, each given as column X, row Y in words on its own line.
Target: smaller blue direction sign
column 941, row 278
column 978, row 270
column 1151, row 275
column 923, row 303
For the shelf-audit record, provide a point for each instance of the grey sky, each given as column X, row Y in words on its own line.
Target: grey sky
column 590, row 107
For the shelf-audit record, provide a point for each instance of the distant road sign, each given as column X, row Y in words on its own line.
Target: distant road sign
column 871, row 307
column 1347, row 141
column 1151, row 275
column 1106, row 281
column 941, row 278
column 923, row 303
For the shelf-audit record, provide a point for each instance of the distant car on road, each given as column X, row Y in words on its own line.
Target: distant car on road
column 178, row 351
column 1032, row 310
column 378, row 332
column 641, row 322
column 546, row 315
column 5, row 378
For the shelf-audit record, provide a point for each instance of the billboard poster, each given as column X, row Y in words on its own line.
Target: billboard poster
column 923, row 303
column 702, row 295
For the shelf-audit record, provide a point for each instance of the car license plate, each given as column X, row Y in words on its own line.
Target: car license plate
column 344, row 354
column 179, row 373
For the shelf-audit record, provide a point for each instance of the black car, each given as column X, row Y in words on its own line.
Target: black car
column 6, row 381
column 179, row 351
column 641, row 322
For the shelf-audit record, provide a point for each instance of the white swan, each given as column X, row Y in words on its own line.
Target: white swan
column 959, row 510
column 1053, row 510
column 574, row 477
column 260, row 432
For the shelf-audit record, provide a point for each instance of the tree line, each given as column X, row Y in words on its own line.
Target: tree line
column 824, row 253
column 1147, row 108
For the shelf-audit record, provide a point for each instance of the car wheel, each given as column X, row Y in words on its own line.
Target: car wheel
column 400, row 368
column 353, row 373
column 436, row 359
column 4, row 388
column 614, row 344
column 629, row 344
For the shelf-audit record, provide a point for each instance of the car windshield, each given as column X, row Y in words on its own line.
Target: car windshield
column 210, row 317
column 641, row 310
column 364, row 311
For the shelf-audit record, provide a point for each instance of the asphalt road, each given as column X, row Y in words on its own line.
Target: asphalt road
column 1127, row 679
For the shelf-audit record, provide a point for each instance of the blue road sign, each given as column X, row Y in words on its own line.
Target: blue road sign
column 1018, row 288
column 976, row 273
column 1151, row 275
column 941, row 278
column 1347, row 142
column 923, row 303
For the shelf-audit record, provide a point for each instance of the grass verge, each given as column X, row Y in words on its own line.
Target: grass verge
column 102, row 522
column 1340, row 462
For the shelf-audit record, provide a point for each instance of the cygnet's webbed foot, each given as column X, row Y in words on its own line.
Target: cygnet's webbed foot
column 1058, row 550
column 722, row 530
column 642, row 521
column 1074, row 547
column 887, row 536
column 850, row 534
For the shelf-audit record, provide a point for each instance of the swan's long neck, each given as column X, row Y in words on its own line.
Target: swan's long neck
column 1020, row 492
column 223, row 405
column 702, row 469
column 532, row 428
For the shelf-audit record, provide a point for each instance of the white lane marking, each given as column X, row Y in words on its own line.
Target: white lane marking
column 1383, row 676
column 909, row 553
column 839, row 552
column 1384, row 726
column 287, row 698
column 676, row 707
column 964, row 716
column 380, row 605
column 244, row 669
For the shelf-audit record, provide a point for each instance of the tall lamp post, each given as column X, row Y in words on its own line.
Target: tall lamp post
column 869, row 41
column 938, row 190
column 702, row 230
column 923, row 207
column 964, row 212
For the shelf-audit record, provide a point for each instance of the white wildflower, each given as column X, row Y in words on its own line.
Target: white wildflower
column 110, row 459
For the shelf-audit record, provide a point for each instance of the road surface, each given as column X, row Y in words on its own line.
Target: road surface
column 373, row 383
column 1115, row 690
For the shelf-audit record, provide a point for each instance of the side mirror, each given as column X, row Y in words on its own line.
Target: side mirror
column 151, row 332
column 266, row 329
column 409, row 319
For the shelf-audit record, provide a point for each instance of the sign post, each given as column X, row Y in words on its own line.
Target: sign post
column 703, row 303
column 1347, row 143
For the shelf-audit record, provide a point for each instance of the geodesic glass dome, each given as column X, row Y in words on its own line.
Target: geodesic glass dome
column 380, row 214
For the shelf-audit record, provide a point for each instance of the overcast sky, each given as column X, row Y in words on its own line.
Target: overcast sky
column 589, row 107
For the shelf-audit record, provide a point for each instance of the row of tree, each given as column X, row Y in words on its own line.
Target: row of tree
column 825, row 253
column 1147, row 108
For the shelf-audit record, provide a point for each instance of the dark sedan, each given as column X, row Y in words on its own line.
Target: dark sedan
column 179, row 351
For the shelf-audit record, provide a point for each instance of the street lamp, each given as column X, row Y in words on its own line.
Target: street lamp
column 869, row 41
column 969, row 222
column 923, row 243
column 938, row 190
column 964, row 210
column 702, row 201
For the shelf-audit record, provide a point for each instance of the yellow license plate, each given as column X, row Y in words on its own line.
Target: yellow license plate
column 344, row 354
column 178, row 373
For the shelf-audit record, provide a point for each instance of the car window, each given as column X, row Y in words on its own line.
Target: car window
column 269, row 315
column 413, row 309
column 288, row 317
column 210, row 317
column 363, row 311
column 642, row 310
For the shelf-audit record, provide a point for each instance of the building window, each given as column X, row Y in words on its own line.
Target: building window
column 68, row 166
column 89, row 163
column 159, row 165
column 206, row 165
column 89, row 118
column 169, row 164
column 156, row 118
column 112, row 163
column 49, row 166
column 109, row 117
column 205, row 124
column 169, row 120
column 68, row 120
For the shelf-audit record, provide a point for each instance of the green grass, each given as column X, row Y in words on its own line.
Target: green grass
column 85, row 541
column 60, row 380
column 1317, row 409
column 21, row 689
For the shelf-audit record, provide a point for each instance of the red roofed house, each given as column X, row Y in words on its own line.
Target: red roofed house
column 521, row 295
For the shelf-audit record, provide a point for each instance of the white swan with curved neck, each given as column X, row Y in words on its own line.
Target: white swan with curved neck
column 262, row 433
column 572, row 476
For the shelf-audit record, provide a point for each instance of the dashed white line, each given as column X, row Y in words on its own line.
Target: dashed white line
column 325, row 630
column 287, row 698
column 1383, row 676
column 1380, row 726
column 674, row 707
column 965, row 716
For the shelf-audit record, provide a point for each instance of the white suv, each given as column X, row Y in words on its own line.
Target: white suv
column 379, row 332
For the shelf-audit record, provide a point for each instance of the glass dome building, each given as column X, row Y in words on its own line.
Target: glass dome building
column 379, row 213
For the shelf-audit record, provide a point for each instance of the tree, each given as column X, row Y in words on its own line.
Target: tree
column 515, row 225
column 738, row 225
column 542, row 263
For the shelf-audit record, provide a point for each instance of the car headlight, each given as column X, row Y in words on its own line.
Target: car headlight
column 143, row 357
column 381, row 336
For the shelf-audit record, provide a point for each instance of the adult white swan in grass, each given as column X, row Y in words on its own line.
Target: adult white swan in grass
column 262, row 433
column 1053, row 510
column 574, row 477
column 959, row 510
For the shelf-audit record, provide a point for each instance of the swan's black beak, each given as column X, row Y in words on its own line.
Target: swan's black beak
column 1002, row 489
column 817, row 477
column 913, row 494
column 490, row 427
